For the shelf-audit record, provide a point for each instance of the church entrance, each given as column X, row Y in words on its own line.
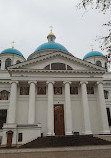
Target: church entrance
column 59, row 120
column 9, row 138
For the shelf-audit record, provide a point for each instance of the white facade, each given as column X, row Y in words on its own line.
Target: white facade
column 33, row 114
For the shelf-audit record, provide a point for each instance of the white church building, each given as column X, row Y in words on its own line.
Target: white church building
column 53, row 93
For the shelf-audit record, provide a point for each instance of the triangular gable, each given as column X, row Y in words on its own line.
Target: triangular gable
column 39, row 63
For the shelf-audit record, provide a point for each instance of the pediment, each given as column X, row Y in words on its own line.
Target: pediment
column 41, row 62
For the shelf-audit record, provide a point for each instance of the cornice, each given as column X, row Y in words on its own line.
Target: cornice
column 5, row 81
column 55, row 71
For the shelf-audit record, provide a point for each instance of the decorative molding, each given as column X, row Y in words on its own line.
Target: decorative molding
column 14, row 82
column 99, row 82
column 67, row 82
column 56, row 71
column 5, row 81
column 83, row 82
column 29, row 82
column 50, row 82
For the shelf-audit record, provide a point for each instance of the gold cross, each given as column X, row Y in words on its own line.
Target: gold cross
column 13, row 42
column 51, row 27
column 92, row 47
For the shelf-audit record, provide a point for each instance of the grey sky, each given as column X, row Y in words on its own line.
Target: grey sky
column 27, row 23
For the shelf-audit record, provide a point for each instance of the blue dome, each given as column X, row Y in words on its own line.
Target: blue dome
column 91, row 54
column 13, row 51
column 51, row 45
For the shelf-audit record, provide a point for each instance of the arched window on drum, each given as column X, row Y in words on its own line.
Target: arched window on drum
column 98, row 63
column 7, row 63
column 18, row 61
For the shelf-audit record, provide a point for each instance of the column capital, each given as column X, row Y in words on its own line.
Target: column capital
column 67, row 82
column 83, row 82
column 29, row 82
column 99, row 82
column 13, row 82
column 50, row 82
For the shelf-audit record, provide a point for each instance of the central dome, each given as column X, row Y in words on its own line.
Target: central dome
column 51, row 45
column 48, row 47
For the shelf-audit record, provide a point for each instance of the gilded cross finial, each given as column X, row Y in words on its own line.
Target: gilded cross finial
column 51, row 27
column 13, row 42
column 92, row 47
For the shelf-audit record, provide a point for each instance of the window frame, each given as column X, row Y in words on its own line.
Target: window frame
column 20, row 137
column 20, row 93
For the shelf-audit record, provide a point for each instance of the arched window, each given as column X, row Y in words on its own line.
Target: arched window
column 18, row 61
column 0, row 64
column 98, row 63
column 7, row 63
column 58, row 66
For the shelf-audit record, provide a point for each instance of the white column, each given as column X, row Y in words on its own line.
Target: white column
column 50, row 114
column 86, row 115
column 68, row 111
column 102, row 107
column 31, row 113
column 11, row 117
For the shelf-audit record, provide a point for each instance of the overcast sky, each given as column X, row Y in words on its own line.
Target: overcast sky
column 27, row 22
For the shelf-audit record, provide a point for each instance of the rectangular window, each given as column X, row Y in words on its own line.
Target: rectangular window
column 24, row 90
column 58, row 90
column 106, row 94
column 74, row 90
column 109, row 116
column 58, row 66
column 20, row 135
column 41, row 90
column 3, row 116
column 90, row 90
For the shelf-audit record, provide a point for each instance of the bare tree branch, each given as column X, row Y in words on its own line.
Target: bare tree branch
column 103, row 6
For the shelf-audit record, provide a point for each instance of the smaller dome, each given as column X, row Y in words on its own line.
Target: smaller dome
column 13, row 51
column 91, row 54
